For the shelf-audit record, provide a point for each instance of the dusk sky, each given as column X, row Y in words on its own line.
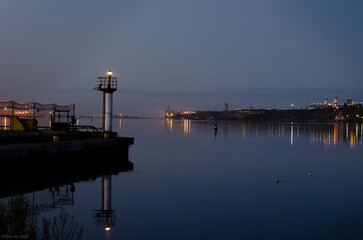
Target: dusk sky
column 196, row 54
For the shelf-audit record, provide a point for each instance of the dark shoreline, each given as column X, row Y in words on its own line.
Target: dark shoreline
column 328, row 115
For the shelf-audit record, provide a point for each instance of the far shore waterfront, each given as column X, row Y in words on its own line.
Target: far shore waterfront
column 343, row 114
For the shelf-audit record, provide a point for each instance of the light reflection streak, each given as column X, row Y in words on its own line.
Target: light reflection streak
column 243, row 130
column 169, row 124
column 4, row 123
column 292, row 134
column 186, row 126
column 225, row 129
column 328, row 135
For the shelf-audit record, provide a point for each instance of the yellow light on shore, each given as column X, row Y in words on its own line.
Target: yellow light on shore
column 109, row 73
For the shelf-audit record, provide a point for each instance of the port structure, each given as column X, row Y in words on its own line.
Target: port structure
column 16, row 110
column 107, row 85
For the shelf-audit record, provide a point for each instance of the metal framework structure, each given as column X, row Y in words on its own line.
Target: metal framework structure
column 107, row 84
column 37, row 106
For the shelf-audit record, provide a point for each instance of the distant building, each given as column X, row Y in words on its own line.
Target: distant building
column 175, row 113
column 351, row 103
column 326, row 104
column 168, row 112
column 240, row 109
column 225, row 107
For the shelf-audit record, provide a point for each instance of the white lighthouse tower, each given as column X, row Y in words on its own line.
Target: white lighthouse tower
column 107, row 85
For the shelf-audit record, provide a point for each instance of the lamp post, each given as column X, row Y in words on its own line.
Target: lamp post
column 107, row 85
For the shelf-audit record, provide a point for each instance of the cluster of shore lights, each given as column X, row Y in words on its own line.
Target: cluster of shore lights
column 187, row 112
column 23, row 112
column 169, row 114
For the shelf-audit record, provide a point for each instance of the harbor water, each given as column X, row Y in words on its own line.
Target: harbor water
column 243, row 181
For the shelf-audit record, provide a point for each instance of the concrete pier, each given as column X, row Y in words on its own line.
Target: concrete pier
column 31, row 161
column 22, row 145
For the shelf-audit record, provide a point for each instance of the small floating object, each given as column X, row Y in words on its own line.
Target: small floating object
column 310, row 174
column 276, row 180
column 215, row 126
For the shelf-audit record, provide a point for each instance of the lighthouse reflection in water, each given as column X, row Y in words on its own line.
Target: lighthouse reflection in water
column 105, row 217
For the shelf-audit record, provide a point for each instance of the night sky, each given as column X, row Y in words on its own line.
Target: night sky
column 195, row 54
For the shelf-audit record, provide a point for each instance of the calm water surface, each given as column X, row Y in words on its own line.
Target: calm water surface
column 189, row 182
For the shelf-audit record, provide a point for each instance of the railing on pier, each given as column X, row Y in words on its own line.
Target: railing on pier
column 34, row 109
column 86, row 128
column 37, row 106
column 106, row 83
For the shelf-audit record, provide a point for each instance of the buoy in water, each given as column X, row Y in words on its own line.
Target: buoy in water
column 215, row 127
column 276, row 180
column 310, row 174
